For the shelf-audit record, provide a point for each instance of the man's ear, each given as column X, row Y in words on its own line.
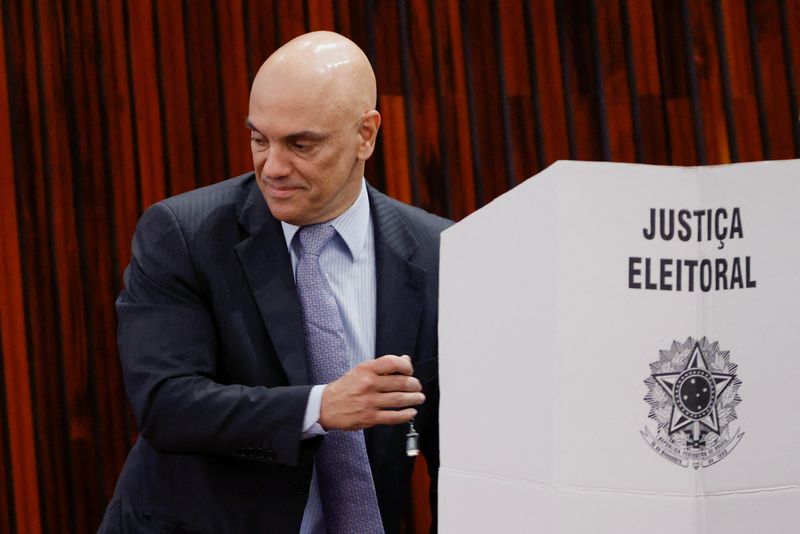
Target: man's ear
column 368, row 132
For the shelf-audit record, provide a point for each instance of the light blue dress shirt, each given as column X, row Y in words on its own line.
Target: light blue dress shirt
column 348, row 262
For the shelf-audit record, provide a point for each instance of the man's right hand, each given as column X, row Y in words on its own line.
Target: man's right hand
column 377, row 392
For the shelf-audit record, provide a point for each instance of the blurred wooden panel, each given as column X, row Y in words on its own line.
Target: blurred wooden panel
column 583, row 90
column 205, row 71
column 292, row 17
column 397, row 182
column 706, row 59
column 117, row 125
column 779, row 136
column 424, row 80
column 616, row 89
column 107, row 107
column 523, row 133
column 457, row 149
column 673, row 60
column 102, row 409
column 260, row 32
column 791, row 20
column 49, row 444
column 10, row 277
column 548, row 73
column 743, row 90
column 341, row 14
column 321, row 15
column 235, row 87
column 396, row 129
column 386, row 57
column 146, row 105
column 483, row 78
column 19, row 489
column 69, row 297
column 174, row 87
column 649, row 97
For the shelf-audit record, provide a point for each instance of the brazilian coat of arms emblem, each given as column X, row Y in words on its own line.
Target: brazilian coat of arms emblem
column 693, row 391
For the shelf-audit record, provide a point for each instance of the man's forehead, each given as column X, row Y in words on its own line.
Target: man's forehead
column 296, row 111
column 293, row 93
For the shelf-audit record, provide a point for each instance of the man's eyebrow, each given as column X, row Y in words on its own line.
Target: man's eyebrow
column 249, row 125
column 307, row 135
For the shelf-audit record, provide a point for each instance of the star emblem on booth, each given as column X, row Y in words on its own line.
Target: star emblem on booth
column 694, row 392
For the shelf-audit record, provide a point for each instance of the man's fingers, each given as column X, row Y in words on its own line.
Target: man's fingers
column 397, row 383
column 391, row 364
column 395, row 417
column 376, row 392
column 399, row 400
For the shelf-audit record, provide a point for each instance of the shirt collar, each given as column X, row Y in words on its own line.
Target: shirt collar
column 352, row 225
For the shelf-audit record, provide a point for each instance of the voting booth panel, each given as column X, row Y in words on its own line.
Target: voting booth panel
column 618, row 353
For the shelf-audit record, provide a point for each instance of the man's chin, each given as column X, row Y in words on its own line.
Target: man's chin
column 285, row 215
column 286, row 212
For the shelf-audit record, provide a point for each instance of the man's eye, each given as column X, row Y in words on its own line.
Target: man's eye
column 259, row 141
column 302, row 147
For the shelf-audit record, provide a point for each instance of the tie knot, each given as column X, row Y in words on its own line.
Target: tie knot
column 314, row 238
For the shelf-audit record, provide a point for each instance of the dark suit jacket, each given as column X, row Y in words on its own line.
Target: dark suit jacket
column 213, row 357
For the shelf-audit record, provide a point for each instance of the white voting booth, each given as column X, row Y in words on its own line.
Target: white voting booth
column 620, row 353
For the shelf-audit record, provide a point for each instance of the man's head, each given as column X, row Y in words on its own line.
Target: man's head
column 314, row 124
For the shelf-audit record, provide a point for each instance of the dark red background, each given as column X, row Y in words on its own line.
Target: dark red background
column 107, row 106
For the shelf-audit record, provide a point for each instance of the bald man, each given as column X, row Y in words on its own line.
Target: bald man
column 217, row 338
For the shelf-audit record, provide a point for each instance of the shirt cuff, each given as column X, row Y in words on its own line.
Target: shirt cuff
column 311, row 426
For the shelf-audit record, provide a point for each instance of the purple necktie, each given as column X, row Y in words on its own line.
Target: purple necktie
column 345, row 480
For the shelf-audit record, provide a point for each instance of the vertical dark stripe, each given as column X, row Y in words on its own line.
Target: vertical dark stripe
column 602, row 118
column 162, row 108
column 134, row 129
column 108, row 167
column 58, row 334
column 411, row 144
column 248, row 40
column 533, row 80
column 19, row 114
column 725, row 74
column 473, row 133
column 337, row 17
column 565, row 81
column 187, row 45
column 108, row 174
column 437, row 76
column 8, row 466
column 659, row 39
column 223, row 111
column 276, row 22
column 511, row 172
column 5, row 431
column 762, row 112
column 697, row 113
column 41, row 474
column 306, row 18
column 78, row 195
column 631, row 72
column 791, row 78
column 369, row 22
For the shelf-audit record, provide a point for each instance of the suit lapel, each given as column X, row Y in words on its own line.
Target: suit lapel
column 400, row 291
column 267, row 265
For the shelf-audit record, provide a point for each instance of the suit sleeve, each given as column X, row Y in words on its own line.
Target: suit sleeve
column 169, row 353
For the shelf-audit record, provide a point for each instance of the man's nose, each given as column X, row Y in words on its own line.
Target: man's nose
column 277, row 163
